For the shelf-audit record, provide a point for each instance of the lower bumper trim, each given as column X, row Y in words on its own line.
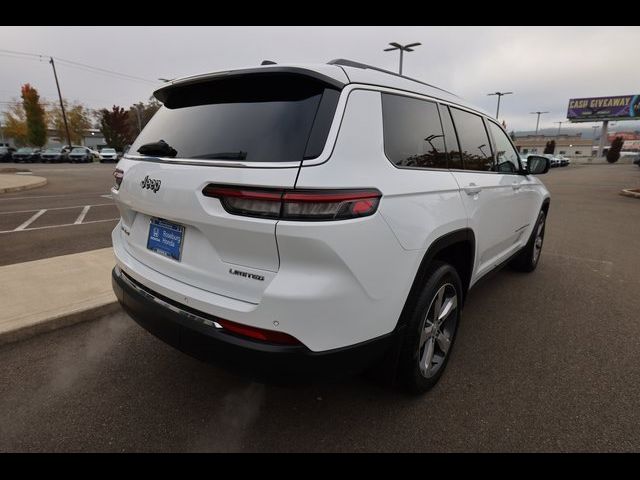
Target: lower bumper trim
column 199, row 334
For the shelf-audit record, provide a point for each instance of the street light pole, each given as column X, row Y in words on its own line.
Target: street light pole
column 559, row 125
column 538, row 121
column 139, row 119
column 402, row 48
column 500, row 95
column 64, row 115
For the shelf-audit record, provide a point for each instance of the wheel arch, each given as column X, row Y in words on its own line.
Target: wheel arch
column 456, row 248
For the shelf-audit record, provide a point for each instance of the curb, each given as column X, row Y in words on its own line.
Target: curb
column 59, row 321
column 630, row 193
column 19, row 188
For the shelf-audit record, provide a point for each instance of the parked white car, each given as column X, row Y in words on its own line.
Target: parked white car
column 314, row 219
column 108, row 155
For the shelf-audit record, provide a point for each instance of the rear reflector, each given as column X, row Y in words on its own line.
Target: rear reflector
column 258, row 333
column 118, row 175
column 303, row 205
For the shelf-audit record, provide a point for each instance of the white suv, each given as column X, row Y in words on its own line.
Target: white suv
column 316, row 219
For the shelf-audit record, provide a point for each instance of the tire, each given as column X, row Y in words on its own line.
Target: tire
column 528, row 258
column 424, row 355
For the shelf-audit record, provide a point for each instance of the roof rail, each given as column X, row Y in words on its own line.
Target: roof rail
column 350, row 63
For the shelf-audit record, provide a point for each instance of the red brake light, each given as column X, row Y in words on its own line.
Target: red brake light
column 304, row 205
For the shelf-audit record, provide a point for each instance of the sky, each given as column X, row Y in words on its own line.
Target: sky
column 543, row 66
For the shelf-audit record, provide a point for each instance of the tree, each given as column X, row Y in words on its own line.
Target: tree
column 78, row 118
column 140, row 114
column 15, row 124
column 36, row 125
column 114, row 126
column 614, row 151
column 550, row 147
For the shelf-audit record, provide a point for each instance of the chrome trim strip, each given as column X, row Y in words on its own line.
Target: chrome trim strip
column 188, row 315
column 212, row 163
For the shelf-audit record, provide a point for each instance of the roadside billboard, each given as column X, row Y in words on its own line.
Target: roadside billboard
column 623, row 107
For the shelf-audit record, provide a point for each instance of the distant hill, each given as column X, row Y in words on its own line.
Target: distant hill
column 587, row 132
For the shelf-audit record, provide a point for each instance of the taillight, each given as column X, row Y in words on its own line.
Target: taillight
column 304, row 205
column 118, row 175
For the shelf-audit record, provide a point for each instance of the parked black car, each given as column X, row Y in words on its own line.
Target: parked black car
column 55, row 155
column 81, row 155
column 6, row 154
column 26, row 155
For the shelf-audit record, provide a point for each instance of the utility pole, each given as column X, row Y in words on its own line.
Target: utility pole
column 500, row 95
column 64, row 115
column 559, row 125
column 402, row 48
column 538, row 121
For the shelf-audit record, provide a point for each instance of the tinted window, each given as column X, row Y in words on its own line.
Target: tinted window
column 474, row 143
column 257, row 119
column 450, row 139
column 506, row 155
column 412, row 132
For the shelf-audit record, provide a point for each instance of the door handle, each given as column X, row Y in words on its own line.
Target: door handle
column 472, row 189
column 516, row 185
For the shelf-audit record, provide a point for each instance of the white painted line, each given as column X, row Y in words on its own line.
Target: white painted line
column 68, row 195
column 30, row 221
column 57, row 226
column 83, row 214
column 106, row 196
column 59, row 208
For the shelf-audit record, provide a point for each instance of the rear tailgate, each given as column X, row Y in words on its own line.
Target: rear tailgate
column 216, row 246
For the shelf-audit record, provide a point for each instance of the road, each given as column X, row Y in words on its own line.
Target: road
column 72, row 213
column 543, row 362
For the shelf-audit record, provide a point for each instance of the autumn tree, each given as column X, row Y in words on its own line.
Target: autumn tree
column 14, row 124
column 78, row 119
column 114, row 125
column 35, row 116
column 614, row 151
column 550, row 147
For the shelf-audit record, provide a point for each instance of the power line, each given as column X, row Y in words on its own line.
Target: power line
column 74, row 64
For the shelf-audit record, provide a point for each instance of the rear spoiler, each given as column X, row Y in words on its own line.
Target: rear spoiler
column 165, row 93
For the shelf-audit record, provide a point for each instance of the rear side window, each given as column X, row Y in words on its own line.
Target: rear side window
column 256, row 118
column 413, row 134
column 474, row 142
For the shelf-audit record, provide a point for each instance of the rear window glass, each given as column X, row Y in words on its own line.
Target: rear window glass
column 248, row 119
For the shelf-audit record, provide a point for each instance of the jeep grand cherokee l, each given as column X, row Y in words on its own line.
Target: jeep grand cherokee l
column 318, row 219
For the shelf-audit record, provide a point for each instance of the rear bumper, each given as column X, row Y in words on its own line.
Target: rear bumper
column 195, row 333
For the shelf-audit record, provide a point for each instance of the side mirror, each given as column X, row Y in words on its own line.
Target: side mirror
column 537, row 165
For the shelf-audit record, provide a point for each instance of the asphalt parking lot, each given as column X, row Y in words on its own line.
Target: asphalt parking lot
column 73, row 213
column 547, row 361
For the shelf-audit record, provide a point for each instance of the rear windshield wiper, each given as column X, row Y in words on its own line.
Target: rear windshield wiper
column 159, row 148
column 223, row 156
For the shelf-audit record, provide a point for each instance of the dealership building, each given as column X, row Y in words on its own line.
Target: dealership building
column 568, row 145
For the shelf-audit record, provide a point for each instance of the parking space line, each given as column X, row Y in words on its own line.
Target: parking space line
column 58, row 208
column 6, row 199
column 83, row 214
column 58, row 226
column 30, row 221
